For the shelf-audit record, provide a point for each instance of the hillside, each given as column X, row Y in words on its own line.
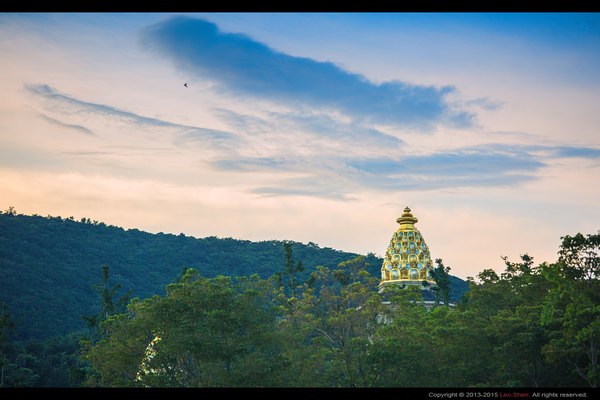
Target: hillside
column 49, row 266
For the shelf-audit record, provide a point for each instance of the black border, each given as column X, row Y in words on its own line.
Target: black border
column 176, row 6
column 305, row 393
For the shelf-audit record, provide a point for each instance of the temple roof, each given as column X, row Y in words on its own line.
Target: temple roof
column 407, row 259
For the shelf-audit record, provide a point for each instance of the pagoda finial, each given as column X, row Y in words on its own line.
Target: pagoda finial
column 407, row 218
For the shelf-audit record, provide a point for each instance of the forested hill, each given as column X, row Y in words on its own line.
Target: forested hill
column 49, row 266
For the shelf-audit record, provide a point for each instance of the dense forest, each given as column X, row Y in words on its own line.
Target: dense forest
column 50, row 266
column 320, row 325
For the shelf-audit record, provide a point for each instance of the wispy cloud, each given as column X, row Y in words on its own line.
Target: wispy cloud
column 546, row 152
column 78, row 128
column 473, row 166
column 289, row 189
column 469, row 167
column 64, row 100
column 576, row 152
column 460, row 163
column 485, row 103
column 254, row 164
column 322, row 155
column 69, row 105
column 242, row 65
column 331, row 134
column 352, row 133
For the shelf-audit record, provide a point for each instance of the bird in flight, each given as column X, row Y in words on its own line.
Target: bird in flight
column 185, row 84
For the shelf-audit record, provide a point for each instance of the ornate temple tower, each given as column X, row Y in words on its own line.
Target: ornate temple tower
column 407, row 260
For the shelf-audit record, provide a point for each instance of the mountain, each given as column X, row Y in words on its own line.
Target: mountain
column 50, row 267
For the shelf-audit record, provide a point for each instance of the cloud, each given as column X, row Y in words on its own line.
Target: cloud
column 546, row 152
column 253, row 164
column 447, row 164
column 291, row 189
column 463, row 168
column 485, row 103
column 472, row 166
column 241, row 65
column 69, row 105
column 353, row 133
column 576, row 152
column 65, row 101
column 329, row 132
column 338, row 177
column 320, row 155
column 78, row 128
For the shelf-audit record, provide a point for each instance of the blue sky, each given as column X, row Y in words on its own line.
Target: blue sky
column 309, row 126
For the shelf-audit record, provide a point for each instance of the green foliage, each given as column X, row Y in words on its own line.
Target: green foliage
column 441, row 276
column 51, row 363
column 291, row 269
column 541, row 320
column 402, row 351
column 5, row 325
column 323, row 325
column 226, row 332
column 338, row 315
column 572, row 307
column 206, row 332
column 108, row 306
column 14, row 368
column 49, row 266
column 579, row 257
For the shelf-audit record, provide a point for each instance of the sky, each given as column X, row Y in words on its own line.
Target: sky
column 311, row 127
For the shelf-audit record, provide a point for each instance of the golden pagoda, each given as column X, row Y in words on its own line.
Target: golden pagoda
column 407, row 259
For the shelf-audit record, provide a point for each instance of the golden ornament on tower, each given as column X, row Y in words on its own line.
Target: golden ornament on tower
column 407, row 259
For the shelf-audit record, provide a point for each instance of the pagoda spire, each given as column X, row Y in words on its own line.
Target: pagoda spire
column 407, row 219
column 407, row 259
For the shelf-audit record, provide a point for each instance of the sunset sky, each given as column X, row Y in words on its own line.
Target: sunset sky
column 309, row 127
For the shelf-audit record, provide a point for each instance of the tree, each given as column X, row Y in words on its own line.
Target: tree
column 14, row 371
column 109, row 305
column 572, row 307
column 491, row 293
column 509, row 307
column 339, row 315
column 516, row 331
column 441, row 276
column 55, row 361
column 5, row 325
column 401, row 353
column 140, row 261
column 11, row 211
column 110, row 309
column 291, row 269
column 206, row 332
column 579, row 257
column 518, row 339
